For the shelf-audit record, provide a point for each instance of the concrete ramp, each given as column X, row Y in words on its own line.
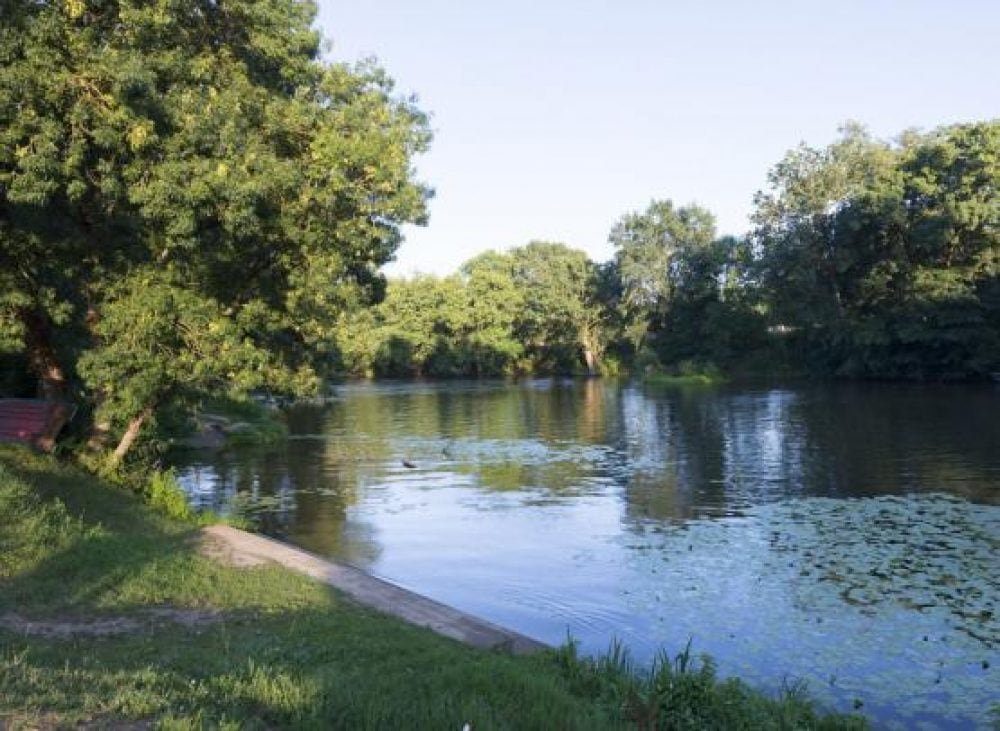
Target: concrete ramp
column 242, row 548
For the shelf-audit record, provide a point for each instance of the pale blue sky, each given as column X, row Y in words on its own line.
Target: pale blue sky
column 553, row 118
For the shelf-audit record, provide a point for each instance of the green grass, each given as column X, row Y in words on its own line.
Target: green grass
column 283, row 651
column 684, row 373
column 691, row 379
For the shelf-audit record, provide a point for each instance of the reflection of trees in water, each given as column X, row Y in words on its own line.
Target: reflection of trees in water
column 249, row 481
column 592, row 419
column 764, row 449
column 675, row 454
column 327, row 488
column 691, row 452
column 560, row 419
column 674, row 458
column 302, row 489
column 507, row 436
column 868, row 439
column 562, row 477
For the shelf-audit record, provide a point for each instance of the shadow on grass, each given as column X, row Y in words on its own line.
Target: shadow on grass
column 92, row 539
column 93, row 501
column 309, row 668
column 328, row 664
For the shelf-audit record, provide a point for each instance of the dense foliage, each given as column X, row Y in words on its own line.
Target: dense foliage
column 884, row 259
column 532, row 309
column 188, row 196
column 866, row 259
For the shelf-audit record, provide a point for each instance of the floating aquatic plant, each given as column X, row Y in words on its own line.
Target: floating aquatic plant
column 893, row 597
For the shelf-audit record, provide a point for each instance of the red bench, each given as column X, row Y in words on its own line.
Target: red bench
column 33, row 421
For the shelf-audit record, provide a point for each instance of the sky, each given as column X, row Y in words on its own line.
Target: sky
column 553, row 118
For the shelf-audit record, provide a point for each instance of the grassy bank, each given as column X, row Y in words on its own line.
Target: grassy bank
column 692, row 379
column 687, row 373
column 108, row 612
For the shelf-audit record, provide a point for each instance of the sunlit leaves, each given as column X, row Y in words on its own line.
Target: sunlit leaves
column 204, row 145
column 884, row 256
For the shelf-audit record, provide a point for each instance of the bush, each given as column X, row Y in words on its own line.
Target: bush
column 165, row 495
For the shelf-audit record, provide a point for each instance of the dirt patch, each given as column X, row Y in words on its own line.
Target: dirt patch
column 62, row 627
column 47, row 722
column 51, row 721
column 212, row 547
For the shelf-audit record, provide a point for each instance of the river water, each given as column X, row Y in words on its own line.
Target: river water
column 845, row 538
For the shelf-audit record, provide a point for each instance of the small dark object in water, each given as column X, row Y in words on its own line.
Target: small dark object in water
column 986, row 664
column 408, row 463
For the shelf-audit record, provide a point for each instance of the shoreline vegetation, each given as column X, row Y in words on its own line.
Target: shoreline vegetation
column 109, row 612
column 227, row 422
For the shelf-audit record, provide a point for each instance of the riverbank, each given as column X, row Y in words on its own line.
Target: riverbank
column 110, row 612
column 226, row 422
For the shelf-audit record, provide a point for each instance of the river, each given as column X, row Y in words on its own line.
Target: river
column 840, row 537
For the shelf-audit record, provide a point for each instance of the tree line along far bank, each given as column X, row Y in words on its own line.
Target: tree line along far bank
column 193, row 203
column 865, row 259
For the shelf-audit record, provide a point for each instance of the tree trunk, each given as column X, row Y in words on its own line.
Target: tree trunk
column 41, row 357
column 592, row 347
column 99, row 435
column 131, row 434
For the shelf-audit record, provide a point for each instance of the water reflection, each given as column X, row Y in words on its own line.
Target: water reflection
column 760, row 522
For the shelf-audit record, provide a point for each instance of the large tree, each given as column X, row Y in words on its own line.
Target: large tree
column 189, row 196
column 650, row 248
column 560, row 321
column 885, row 256
column 537, row 308
column 487, row 310
column 797, row 263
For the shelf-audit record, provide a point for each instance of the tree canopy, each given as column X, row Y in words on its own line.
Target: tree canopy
column 532, row 309
column 189, row 196
column 866, row 259
column 884, row 257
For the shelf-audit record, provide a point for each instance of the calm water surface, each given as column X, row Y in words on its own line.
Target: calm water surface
column 845, row 537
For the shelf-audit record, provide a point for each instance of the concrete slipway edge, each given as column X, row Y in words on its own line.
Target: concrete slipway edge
column 245, row 548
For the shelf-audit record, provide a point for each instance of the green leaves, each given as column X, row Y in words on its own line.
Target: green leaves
column 532, row 309
column 648, row 248
column 883, row 254
column 202, row 193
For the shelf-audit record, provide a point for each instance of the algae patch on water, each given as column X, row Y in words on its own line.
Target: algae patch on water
column 925, row 553
column 887, row 601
